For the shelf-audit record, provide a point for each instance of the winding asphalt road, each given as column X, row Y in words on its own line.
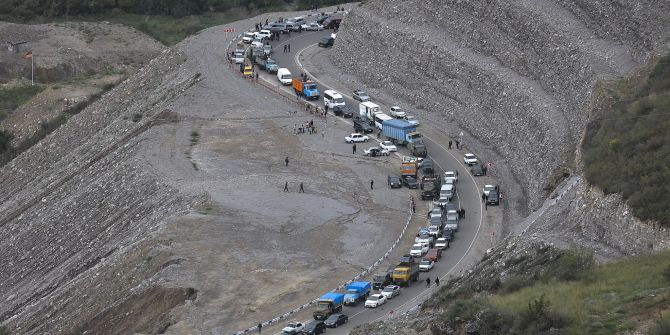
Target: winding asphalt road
column 467, row 190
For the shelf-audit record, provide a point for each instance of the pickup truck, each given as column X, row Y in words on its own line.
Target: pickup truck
column 328, row 304
column 357, row 291
column 406, row 272
column 306, row 88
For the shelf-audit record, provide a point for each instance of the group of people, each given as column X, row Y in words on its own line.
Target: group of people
column 437, row 281
column 307, row 126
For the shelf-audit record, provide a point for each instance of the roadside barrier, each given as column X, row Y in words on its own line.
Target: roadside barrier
column 342, row 286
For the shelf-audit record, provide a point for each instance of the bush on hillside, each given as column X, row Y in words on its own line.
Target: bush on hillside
column 627, row 151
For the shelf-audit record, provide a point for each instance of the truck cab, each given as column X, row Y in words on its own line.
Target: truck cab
column 367, row 110
column 328, row 304
column 357, row 291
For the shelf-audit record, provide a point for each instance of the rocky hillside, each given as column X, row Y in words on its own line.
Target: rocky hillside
column 515, row 76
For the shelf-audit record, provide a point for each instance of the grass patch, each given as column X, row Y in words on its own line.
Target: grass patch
column 604, row 299
column 14, row 96
column 627, row 146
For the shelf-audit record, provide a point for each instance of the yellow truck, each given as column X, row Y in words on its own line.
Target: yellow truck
column 248, row 71
column 406, row 271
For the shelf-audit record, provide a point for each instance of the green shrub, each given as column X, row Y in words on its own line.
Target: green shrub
column 627, row 150
column 13, row 97
column 662, row 327
column 5, row 140
column 538, row 318
column 571, row 265
column 666, row 273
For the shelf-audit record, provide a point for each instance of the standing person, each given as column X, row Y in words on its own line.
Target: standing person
column 427, row 282
column 266, row 22
column 256, row 76
column 302, row 190
column 483, row 197
column 286, row 160
column 449, row 144
column 286, row 187
column 289, row 48
column 437, row 281
column 260, row 328
column 284, row 48
column 463, row 212
column 413, row 207
column 372, row 184
column 325, row 108
column 354, row 149
column 458, row 144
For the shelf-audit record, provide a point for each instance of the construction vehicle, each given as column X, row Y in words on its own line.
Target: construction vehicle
column 408, row 167
column 367, row 110
column 357, row 291
column 429, row 187
column 306, row 88
column 328, row 304
column 406, row 271
column 417, row 148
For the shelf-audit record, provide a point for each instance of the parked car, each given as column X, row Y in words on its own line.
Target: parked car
column 267, row 49
column 293, row 327
column 394, row 181
column 356, row 138
column 434, row 231
column 469, row 159
column 397, row 112
column 343, row 111
column 362, row 126
column 477, row 170
column 375, row 300
column 315, row 327
column 390, row 291
column 426, row 265
column 410, row 182
column 336, row 320
column 263, row 34
column 493, row 198
column 427, row 166
column 488, row 188
column 312, row 26
column 449, row 234
column 434, row 254
column 361, row 96
column 388, row 145
column 418, row 250
column 375, row 151
column 441, row 243
column 248, row 37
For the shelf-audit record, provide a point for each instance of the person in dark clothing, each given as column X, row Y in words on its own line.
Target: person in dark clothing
column 284, row 48
column 497, row 189
column 286, row 187
column 483, row 197
column 289, row 48
column 413, row 207
column 463, row 212
column 449, row 144
column 286, row 160
column 325, row 108
column 266, row 21
column 427, row 282
column 260, row 328
column 302, row 190
column 372, row 183
column 354, row 149
column 458, row 144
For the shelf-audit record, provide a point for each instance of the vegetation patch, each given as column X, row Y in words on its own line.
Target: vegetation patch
column 627, row 145
column 12, row 97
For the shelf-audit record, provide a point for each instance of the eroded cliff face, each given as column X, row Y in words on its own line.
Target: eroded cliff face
column 515, row 76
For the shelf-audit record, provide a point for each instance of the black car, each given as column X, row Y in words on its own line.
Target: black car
column 343, row 111
column 410, row 182
column 326, row 42
column 493, row 198
column 427, row 166
column 449, row 234
column 394, row 181
column 362, row 126
column 478, row 170
column 335, row 320
column 314, row 327
column 381, row 280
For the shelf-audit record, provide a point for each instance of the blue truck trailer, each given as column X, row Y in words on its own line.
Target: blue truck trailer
column 328, row 304
column 357, row 291
column 400, row 132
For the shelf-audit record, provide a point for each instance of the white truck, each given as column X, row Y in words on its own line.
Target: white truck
column 367, row 110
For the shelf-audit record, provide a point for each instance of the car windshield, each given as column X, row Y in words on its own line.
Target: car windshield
column 338, row 100
column 425, row 262
column 417, row 247
column 388, row 289
column 450, row 174
column 374, row 298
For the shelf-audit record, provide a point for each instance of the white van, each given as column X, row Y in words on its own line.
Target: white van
column 447, row 191
column 331, row 99
column 284, row 76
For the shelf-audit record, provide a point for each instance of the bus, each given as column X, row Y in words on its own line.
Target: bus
column 380, row 118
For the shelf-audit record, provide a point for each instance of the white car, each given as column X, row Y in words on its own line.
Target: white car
column 423, row 239
column 418, row 250
column 470, row 159
column 434, row 231
column 388, row 145
column 257, row 43
column 238, row 57
column 488, row 188
column 451, row 175
column 426, row 265
column 263, row 34
column 390, row 291
column 397, row 112
column 441, row 243
column 375, row 300
column 293, row 327
column 312, row 26
column 356, row 138
column 248, row 37
column 412, row 119
column 376, row 151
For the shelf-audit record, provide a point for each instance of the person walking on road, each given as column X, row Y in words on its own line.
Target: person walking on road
column 284, row 48
column 354, row 149
column 449, row 144
column 427, row 282
column 413, row 207
column 325, row 108
column 302, row 190
column 372, row 184
column 286, row 160
column 437, row 281
column 289, row 48
column 463, row 212
column 260, row 328
column 286, row 187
